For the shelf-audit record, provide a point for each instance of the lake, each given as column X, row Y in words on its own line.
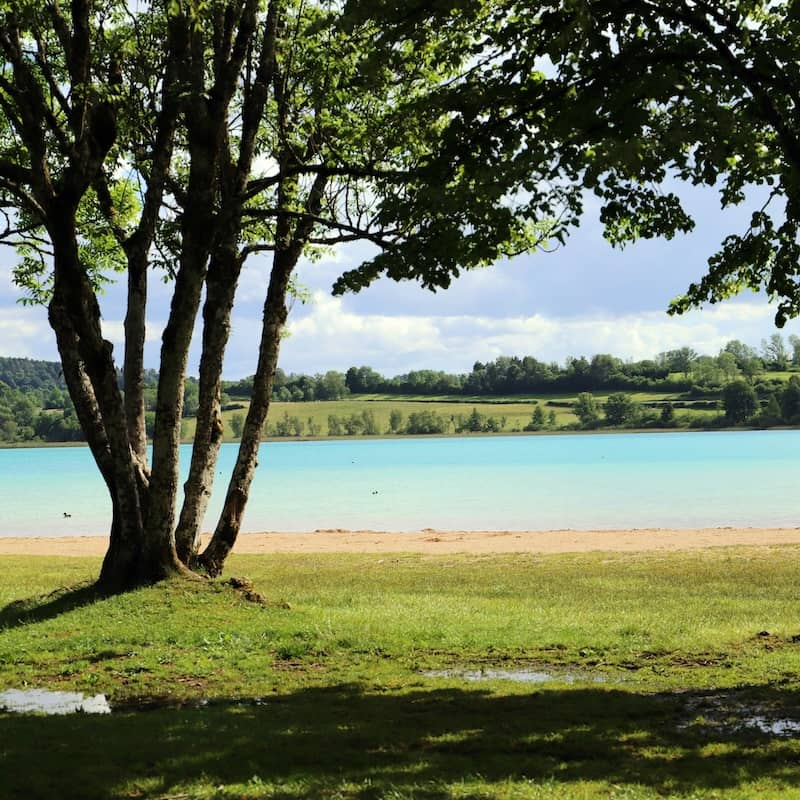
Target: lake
column 603, row 481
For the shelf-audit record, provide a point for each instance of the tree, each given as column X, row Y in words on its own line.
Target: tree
column 191, row 398
column 774, row 352
column 157, row 137
column 681, row 360
column 728, row 366
column 237, row 425
column 603, row 368
column 360, row 380
column 740, row 351
column 790, row 400
column 426, row 422
column 395, row 421
column 706, row 371
column 739, row 400
column 331, row 386
column 747, row 359
column 794, row 342
column 586, row 410
column 474, row 422
column 667, row 415
column 537, row 420
column 620, row 409
column 770, row 413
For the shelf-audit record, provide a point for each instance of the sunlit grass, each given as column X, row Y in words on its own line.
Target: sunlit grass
column 320, row 692
column 515, row 410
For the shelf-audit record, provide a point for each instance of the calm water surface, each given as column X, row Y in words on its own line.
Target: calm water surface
column 676, row 480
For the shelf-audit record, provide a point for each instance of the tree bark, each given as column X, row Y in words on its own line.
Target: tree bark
column 137, row 247
column 275, row 311
column 159, row 533
column 75, row 317
column 133, row 369
column 223, row 275
column 289, row 247
column 206, row 115
column 221, row 282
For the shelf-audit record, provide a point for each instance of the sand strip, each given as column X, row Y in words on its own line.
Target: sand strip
column 431, row 542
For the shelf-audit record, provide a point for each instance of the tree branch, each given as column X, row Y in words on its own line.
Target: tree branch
column 376, row 173
column 381, row 238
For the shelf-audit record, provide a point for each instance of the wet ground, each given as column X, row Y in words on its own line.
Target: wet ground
column 41, row 701
column 519, row 675
column 729, row 712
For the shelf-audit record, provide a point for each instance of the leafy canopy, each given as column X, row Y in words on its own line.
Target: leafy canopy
column 622, row 98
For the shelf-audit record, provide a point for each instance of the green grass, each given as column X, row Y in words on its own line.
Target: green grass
column 319, row 692
column 516, row 409
column 517, row 413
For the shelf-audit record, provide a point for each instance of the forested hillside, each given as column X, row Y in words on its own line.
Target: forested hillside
column 27, row 374
column 35, row 404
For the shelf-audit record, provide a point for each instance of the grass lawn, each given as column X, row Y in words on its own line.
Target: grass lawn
column 657, row 663
column 517, row 412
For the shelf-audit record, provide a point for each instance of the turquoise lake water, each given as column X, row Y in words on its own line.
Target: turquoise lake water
column 669, row 480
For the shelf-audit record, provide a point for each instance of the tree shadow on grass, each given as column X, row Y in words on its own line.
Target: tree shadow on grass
column 347, row 741
column 41, row 608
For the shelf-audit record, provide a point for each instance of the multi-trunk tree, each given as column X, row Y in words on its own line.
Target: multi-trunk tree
column 186, row 136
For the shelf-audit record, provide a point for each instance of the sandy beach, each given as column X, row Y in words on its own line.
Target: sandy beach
column 433, row 542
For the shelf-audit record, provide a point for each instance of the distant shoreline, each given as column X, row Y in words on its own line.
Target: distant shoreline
column 430, row 436
column 433, row 542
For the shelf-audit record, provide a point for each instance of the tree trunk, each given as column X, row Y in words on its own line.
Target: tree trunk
column 75, row 317
column 119, row 564
column 289, row 247
column 159, row 533
column 221, row 282
column 275, row 311
column 223, row 275
column 133, row 370
column 205, row 121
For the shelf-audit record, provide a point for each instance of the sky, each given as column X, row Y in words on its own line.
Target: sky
column 582, row 299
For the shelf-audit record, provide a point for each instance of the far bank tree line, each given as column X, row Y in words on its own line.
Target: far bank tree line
column 739, row 405
column 737, row 386
column 680, row 370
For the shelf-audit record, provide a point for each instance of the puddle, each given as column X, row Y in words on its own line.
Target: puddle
column 40, row 701
column 725, row 713
column 519, row 675
column 777, row 727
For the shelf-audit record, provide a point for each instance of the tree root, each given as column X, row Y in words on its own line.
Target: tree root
column 245, row 589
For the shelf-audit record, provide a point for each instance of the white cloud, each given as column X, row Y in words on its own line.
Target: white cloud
column 114, row 331
column 25, row 332
column 328, row 336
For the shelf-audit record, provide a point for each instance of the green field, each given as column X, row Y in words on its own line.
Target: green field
column 516, row 411
column 517, row 414
column 661, row 668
